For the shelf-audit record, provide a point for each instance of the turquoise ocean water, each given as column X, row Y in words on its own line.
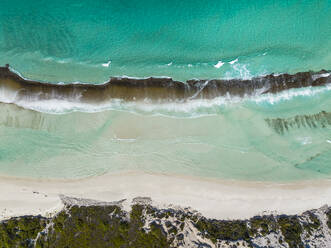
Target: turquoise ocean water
column 226, row 137
column 70, row 40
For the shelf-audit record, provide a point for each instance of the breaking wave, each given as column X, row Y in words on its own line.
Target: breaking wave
column 158, row 95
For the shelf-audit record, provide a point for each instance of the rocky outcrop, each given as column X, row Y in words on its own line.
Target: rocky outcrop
column 282, row 125
column 88, row 223
column 157, row 88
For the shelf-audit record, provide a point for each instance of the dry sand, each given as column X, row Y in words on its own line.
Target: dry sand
column 223, row 199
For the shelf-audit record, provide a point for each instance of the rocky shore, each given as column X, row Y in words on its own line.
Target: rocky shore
column 157, row 89
column 88, row 223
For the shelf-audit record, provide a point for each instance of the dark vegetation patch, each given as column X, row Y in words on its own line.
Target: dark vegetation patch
column 291, row 230
column 147, row 226
column 20, row 231
column 313, row 224
column 328, row 214
column 102, row 226
column 223, row 230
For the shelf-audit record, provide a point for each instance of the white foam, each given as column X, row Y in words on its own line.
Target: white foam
column 289, row 94
column 57, row 60
column 19, row 74
column 7, row 96
column 316, row 76
column 233, row 61
column 169, row 64
column 138, row 78
column 64, row 61
column 305, row 140
column 181, row 108
column 244, row 73
column 199, row 91
column 107, row 64
column 125, row 140
column 219, row 64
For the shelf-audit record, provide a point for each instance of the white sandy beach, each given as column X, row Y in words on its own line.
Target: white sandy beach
column 213, row 198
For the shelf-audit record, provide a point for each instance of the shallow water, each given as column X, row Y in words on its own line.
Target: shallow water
column 268, row 137
column 207, row 138
column 75, row 40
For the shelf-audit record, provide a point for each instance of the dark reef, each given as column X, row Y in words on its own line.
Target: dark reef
column 147, row 226
column 282, row 125
column 159, row 88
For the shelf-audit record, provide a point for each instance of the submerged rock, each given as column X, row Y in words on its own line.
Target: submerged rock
column 282, row 125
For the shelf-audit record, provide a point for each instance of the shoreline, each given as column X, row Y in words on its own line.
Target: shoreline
column 226, row 199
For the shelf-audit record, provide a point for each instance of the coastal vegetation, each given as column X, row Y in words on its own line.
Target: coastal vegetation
column 147, row 226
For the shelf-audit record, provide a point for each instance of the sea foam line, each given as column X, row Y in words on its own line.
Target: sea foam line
column 186, row 108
